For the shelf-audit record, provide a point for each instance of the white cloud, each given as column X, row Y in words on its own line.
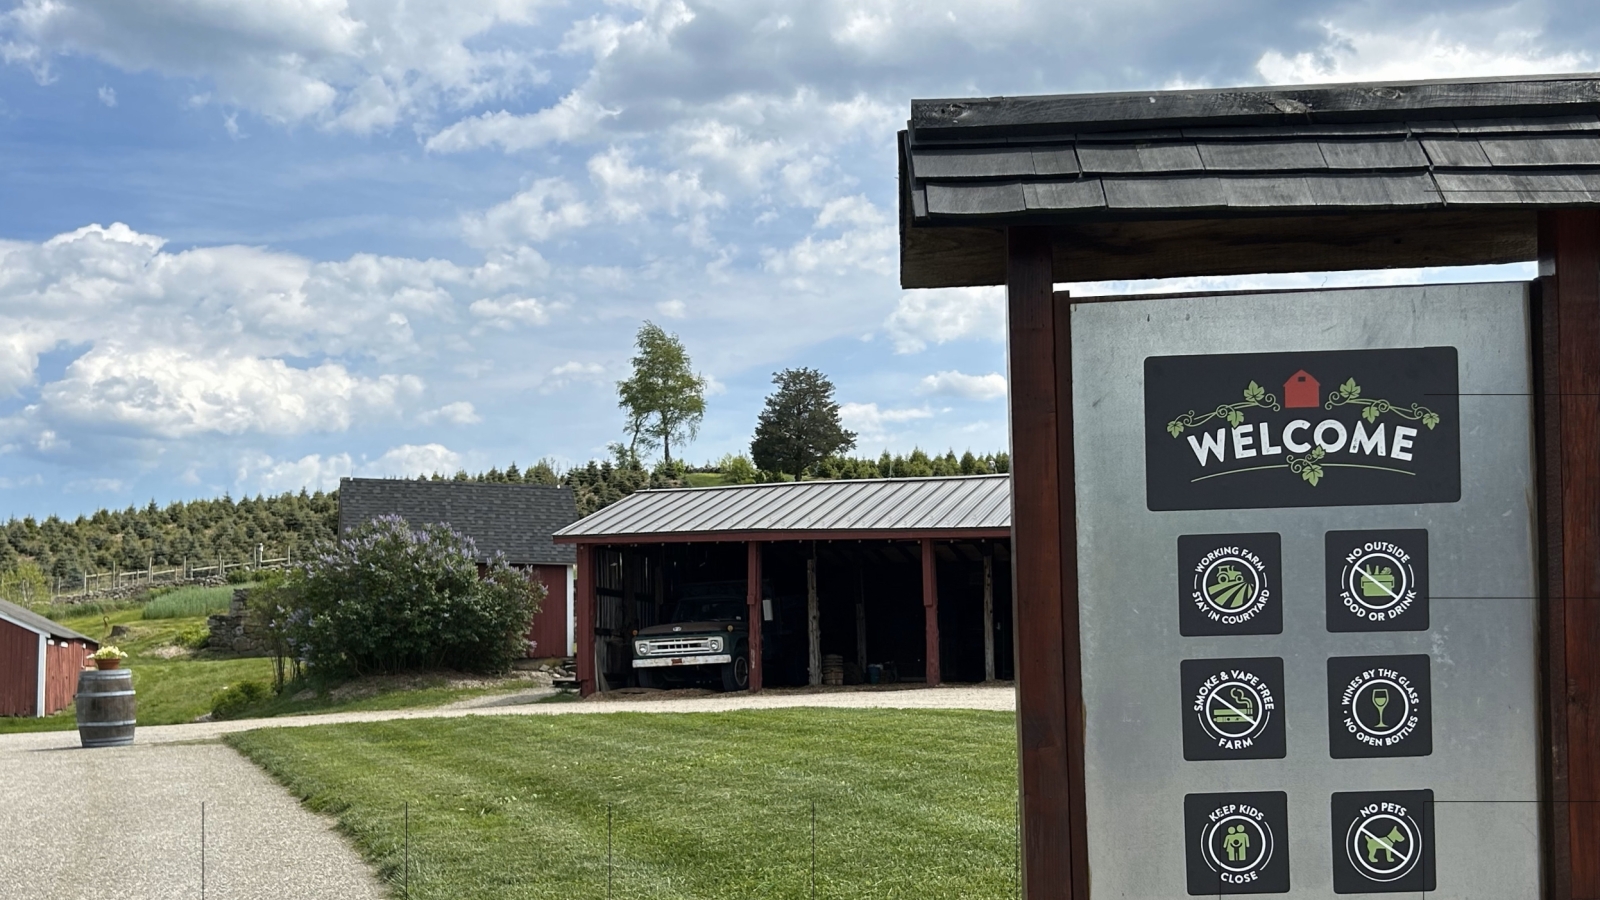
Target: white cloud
column 357, row 66
column 574, row 118
column 872, row 424
column 960, row 384
column 107, row 95
column 672, row 309
column 318, row 472
column 171, row 393
column 412, row 460
column 1459, row 45
column 573, row 372
column 509, row 312
column 548, row 207
column 939, row 316
column 459, row 413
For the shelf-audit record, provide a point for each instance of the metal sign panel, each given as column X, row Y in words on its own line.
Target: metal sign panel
column 1308, row 612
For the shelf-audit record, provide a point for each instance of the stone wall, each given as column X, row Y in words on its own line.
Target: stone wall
column 236, row 633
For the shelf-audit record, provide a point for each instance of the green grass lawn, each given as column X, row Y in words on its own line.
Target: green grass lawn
column 714, row 806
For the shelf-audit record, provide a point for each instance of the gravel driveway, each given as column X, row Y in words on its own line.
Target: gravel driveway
column 125, row 822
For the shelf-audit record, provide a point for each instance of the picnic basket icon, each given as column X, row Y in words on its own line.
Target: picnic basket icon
column 1377, row 581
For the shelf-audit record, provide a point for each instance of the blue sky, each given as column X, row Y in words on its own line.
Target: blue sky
column 252, row 247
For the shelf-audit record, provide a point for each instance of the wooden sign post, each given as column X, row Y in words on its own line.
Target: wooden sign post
column 1030, row 192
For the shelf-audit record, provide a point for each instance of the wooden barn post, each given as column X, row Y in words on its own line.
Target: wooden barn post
column 1569, row 410
column 1044, row 547
column 933, row 672
column 583, row 588
column 752, row 599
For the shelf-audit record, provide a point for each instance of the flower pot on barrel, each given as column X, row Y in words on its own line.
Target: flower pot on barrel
column 105, row 701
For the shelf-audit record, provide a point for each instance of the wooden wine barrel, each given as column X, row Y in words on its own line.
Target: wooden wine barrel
column 105, row 707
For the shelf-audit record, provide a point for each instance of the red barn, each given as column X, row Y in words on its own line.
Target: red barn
column 512, row 519
column 39, row 662
column 1302, row 391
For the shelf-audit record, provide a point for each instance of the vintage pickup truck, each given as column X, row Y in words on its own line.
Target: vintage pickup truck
column 705, row 639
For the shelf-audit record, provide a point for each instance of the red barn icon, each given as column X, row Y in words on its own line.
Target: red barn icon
column 1301, row 390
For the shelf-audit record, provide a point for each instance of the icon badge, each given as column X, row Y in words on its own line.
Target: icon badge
column 1379, row 706
column 1377, row 580
column 1237, row 843
column 1231, row 708
column 1383, row 842
column 1228, row 584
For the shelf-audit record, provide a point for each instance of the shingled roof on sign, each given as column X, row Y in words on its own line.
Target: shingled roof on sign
column 1465, row 159
column 514, row 519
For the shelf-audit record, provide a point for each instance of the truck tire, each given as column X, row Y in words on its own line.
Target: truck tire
column 736, row 675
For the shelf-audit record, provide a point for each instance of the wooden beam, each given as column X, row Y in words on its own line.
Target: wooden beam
column 1038, row 536
column 933, row 672
column 988, row 616
column 584, row 600
column 1570, row 408
column 813, row 623
column 752, row 599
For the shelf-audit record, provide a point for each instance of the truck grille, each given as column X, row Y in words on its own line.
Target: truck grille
column 676, row 646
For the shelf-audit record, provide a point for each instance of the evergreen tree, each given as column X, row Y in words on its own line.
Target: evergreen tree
column 799, row 427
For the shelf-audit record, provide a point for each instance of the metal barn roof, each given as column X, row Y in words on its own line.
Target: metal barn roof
column 1482, row 148
column 514, row 519
column 27, row 618
column 971, row 506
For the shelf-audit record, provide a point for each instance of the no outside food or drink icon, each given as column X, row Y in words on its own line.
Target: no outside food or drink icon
column 1237, row 843
column 1377, row 580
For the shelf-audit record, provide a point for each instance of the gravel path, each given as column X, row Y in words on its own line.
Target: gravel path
column 993, row 697
column 125, row 822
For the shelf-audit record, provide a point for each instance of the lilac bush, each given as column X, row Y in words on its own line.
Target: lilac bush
column 389, row 597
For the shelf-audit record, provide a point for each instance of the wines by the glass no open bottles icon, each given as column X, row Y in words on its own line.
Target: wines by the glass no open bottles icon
column 1229, row 589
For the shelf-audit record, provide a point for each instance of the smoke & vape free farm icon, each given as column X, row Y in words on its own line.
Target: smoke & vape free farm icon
column 1379, row 706
column 1383, row 842
column 1377, row 580
column 1237, row 843
column 1231, row 708
column 1228, row 584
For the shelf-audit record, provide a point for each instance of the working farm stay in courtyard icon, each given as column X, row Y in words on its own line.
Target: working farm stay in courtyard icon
column 1302, row 391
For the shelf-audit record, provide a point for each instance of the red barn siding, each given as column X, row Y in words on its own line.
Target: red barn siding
column 549, row 628
column 62, row 663
column 19, row 670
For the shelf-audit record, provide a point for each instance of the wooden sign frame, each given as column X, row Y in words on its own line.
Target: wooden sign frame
column 1050, row 713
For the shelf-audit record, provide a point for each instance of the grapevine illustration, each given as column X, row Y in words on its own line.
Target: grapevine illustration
column 1254, row 396
column 1349, row 394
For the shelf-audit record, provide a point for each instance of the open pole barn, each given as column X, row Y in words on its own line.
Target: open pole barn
column 908, row 579
column 39, row 662
column 515, row 520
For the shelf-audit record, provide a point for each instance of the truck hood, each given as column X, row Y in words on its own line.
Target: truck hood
column 692, row 628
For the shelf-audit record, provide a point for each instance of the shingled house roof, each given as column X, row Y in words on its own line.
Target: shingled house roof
column 1489, row 148
column 514, row 519
column 27, row 618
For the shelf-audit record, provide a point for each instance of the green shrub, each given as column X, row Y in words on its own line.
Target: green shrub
column 195, row 637
column 188, row 602
column 241, row 576
column 390, row 598
column 236, row 698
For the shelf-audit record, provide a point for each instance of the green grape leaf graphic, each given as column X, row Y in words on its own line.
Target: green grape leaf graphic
column 1430, row 419
column 1254, row 392
column 1174, row 429
column 1312, row 473
column 1350, row 390
column 1235, row 417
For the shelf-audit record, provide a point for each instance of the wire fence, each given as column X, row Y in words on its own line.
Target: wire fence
column 88, row 584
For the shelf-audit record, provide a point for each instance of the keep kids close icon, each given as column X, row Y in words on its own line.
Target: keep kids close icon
column 1237, row 843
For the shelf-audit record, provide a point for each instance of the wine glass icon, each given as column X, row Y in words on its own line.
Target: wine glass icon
column 1380, row 699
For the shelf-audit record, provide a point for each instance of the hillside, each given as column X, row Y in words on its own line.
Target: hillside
column 201, row 531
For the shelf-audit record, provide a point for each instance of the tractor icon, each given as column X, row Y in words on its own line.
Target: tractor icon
column 1229, row 589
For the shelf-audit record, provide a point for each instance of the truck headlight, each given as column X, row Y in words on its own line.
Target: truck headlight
column 641, row 648
column 716, row 645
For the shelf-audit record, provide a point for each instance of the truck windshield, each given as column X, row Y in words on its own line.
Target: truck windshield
column 700, row 609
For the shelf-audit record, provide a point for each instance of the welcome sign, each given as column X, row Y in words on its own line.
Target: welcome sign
column 1318, row 428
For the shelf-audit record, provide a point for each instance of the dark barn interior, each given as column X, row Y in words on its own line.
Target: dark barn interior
column 869, row 597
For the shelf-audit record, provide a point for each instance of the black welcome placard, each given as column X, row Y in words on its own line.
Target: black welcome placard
column 1303, row 429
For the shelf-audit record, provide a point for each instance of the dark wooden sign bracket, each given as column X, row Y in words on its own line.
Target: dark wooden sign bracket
column 1031, row 192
